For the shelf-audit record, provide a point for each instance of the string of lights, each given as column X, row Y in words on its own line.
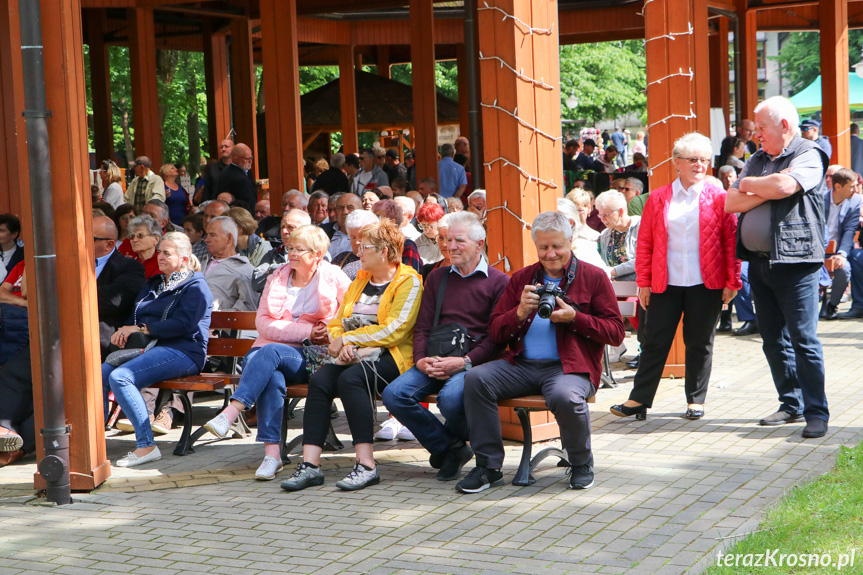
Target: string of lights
column 526, row 28
column 689, row 75
column 672, row 35
column 524, row 225
column 530, row 178
column 540, row 83
column 689, row 116
column 524, row 123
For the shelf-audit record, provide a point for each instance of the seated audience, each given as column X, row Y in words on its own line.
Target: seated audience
column 349, row 262
column 377, row 316
column 370, row 197
column 409, row 209
column 294, row 200
column 173, row 309
column 144, row 235
column 559, row 356
column 727, row 175
column 618, row 240
column 442, row 234
column 392, row 211
column 583, row 201
column 228, row 274
column 262, row 210
column 454, row 205
column 14, row 328
column 428, row 217
column 11, row 246
column 476, row 203
column 633, row 191
column 158, row 210
column 276, row 256
column 249, row 245
column 300, row 299
column 731, row 153
column 606, row 162
column 585, row 250
column 842, row 212
column 317, row 208
column 122, row 216
column 464, row 293
column 339, row 240
column 193, row 226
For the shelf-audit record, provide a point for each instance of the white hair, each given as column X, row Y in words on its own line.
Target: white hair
column 359, row 219
column 304, row 199
column 692, row 143
column 408, row 205
column 475, row 229
column 778, row 109
column 725, row 169
column 611, row 200
column 637, row 183
column 477, row 194
column 229, row 226
column 297, row 212
column 554, row 222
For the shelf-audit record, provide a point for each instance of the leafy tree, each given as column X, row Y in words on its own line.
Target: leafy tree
column 607, row 78
column 800, row 57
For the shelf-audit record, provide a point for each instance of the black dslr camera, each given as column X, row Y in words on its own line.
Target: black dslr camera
column 547, row 301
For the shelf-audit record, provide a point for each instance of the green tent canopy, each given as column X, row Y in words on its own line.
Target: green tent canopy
column 808, row 100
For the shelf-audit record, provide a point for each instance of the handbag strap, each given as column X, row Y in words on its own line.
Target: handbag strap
column 439, row 295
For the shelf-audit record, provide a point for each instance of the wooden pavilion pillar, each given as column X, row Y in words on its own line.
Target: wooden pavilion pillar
column 463, row 101
column 145, row 88
column 13, row 154
column 218, row 89
column 835, row 111
column 746, row 78
column 383, row 53
column 100, row 86
column 70, row 197
column 673, row 101
column 243, row 87
column 282, row 85
column 424, row 89
column 348, row 97
column 719, row 89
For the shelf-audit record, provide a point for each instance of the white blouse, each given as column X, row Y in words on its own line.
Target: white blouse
column 684, row 262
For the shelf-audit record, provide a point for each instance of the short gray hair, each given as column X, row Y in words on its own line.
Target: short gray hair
column 725, row 169
column 304, row 200
column 475, row 229
column 554, row 222
column 692, row 142
column 359, row 219
column 447, row 151
column 318, row 195
column 303, row 215
column 778, row 109
column 162, row 206
column 408, row 205
column 611, row 200
column 477, row 194
column 337, row 161
column 637, row 183
column 229, row 226
column 147, row 222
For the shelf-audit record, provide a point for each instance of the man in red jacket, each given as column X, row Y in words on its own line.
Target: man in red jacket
column 558, row 356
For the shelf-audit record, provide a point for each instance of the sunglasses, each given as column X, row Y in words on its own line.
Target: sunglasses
column 138, row 236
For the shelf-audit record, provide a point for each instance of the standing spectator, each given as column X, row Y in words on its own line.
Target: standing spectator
column 214, row 172
column 236, row 178
column 351, row 169
column 112, row 188
column 842, row 207
column 175, row 195
column 370, row 176
column 584, row 161
column 606, row 162
column 393, row 167
column 781, row 234
column 731, row 153
column 570, row 151
column 468, row 291
column 333, row 179
column 451, row 176
column 685, row 265
column 145, row 186
column 638, row 146
column 11, row 247
column 377, row 315
column 856, row 150
column 228, row 274
column 809, row 130
column 618, row 138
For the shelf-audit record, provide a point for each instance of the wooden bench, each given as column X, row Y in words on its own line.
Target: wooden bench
column 231, row 347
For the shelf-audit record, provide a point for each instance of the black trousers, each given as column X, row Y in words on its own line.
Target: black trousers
column 700, row 308
column 16, row 398
column 357, row 386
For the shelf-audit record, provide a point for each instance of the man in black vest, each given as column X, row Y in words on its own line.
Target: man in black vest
column 235, row 178
column 781, row 234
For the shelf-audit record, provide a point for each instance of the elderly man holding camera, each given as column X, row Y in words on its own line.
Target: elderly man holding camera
column 555, row 316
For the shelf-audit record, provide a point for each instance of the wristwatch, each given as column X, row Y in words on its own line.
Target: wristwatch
column 467, row 363
column 141, row 327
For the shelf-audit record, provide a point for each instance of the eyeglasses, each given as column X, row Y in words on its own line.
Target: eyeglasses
column 97, row 239
column 139, row 236
column 297, row 251
column 693, row 161
column 364, row 247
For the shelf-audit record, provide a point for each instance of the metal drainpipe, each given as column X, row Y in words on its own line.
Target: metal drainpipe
column 55, row 466
column 471, row 59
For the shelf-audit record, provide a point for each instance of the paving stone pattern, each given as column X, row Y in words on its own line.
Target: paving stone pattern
column 669, row 494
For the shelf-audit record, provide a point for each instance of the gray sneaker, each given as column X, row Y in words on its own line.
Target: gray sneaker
column 360, row 477
column 304, row 476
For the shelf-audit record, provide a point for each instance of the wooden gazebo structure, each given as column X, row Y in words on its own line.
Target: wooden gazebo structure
column 516, row 110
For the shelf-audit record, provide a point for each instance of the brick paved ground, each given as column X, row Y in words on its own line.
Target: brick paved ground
column 668, row 493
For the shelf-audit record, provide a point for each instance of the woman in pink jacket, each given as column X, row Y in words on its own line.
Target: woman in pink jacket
column 685, row 265
column 299, row 300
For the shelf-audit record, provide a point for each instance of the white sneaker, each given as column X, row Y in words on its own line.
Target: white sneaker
column 405, row 434
column 219, row 426
column 389, row 430
column 361, row 476
column 615, row 353
column 268, row 469
column 132, row 460
column 124, row 425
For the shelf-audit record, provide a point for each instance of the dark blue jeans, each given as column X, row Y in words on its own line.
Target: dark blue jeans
column 266, row 372
column 787, row 296
column 402, row 398
column 855, row 258
column 743, row 300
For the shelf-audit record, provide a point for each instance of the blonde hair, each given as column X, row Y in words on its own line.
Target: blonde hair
column 313, row 237
column 386, row 234
column 322, row 165
column 164, row 169
column 112, row 171
column 691, row 143
column 245, row 222
column 184, row 248
column 579, row 197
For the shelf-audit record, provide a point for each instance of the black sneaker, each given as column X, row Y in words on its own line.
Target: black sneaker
column 454, row 459
column 480, row 479
column 581, row 476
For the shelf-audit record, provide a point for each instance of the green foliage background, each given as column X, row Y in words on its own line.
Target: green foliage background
column 800, row 57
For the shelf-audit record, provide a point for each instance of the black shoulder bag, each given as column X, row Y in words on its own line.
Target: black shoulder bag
column 449, row 339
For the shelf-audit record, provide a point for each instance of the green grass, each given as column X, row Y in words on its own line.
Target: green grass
column 824, row 516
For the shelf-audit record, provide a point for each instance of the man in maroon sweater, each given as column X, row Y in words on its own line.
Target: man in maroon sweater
column 468, row 298
column 558, row 356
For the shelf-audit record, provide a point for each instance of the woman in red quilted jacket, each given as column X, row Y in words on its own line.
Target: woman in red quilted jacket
column 685, row 265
